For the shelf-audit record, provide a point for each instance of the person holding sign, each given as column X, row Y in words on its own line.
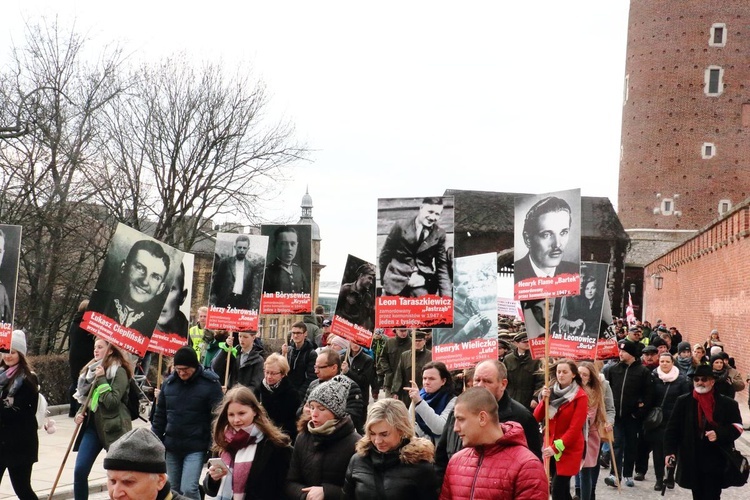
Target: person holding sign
column 546, row 229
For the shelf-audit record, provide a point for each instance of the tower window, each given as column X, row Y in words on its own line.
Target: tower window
column 718, row 35
column 724, row 206
column 625, row 90
column 667, row 206
column 708, row 150
column 714, row 77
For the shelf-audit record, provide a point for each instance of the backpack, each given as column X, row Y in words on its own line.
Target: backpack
column 134, row 400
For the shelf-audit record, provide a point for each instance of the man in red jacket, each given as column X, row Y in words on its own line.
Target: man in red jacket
column 495, row 463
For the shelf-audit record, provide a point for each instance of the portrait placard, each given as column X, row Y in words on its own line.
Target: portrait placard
column 354, row 316
column 287, row 285
column 10, row 253
column 171, row 330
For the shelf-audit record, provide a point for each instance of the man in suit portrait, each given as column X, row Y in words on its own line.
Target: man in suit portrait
column 413, row 261
column 546, row 230
column 283, row 274
column 243, row 293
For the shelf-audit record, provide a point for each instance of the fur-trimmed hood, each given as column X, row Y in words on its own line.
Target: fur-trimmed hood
column 409, row 452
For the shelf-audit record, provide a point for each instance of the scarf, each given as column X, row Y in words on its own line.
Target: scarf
column 238, row 455
column 560, row 396
column 273, row 387
column 721, row 375
column 87, row 376
column 668, row 377
column 8, row 376
column 437, row 401
column 323, row 430
column 684, row 364
column 706, row 403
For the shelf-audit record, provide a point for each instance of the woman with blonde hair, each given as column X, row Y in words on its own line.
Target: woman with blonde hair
column 390, row 461
column 255, row 454
column 601, row 418
column 104, row 413
column 277, row 395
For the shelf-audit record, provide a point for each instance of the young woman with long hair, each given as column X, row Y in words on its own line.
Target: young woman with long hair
column 104, row 414
column 601, row 418
column 255, row 451
column 19, row 395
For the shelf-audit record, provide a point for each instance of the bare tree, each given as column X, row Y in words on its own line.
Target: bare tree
column 189, row 144
column 58, row 100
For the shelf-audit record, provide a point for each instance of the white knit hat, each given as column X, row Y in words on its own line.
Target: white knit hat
column 18, row 341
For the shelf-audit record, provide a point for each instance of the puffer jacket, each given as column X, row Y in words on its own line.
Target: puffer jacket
column 506, row 470
column 405, row 472
column 321, row 460
column 567, row 426
column 185, row 410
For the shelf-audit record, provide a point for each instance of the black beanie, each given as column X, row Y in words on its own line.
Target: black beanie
column 185, row 356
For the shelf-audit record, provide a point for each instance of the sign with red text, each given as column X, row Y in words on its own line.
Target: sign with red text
column 415, row 249
column 131, row 290
column 286, row 284
column 237, row 282
column 547, row 245
column 10, row 245
column 354, row 316
column 172, row 327
column 606, row 346
column 473, row 337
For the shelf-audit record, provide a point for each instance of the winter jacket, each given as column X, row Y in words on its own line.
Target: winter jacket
column 506, row 470
column 508, row 410
column 680, row 386
column 355, row 403
column 112, row 417
column 184, row 411
column 19, row 441
column 248, row 373
column 389, row 358
column 362, row 371
column 525, row 377
column 403, row 373
column 698, row 458
column 267, row 475
column 405, row 472
column 321, row 460
column 301, row 366
column 567, row 427
column 281, row 405
column 631, row 388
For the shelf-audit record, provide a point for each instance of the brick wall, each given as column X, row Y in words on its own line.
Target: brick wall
column 667, row 117
column 709, row 287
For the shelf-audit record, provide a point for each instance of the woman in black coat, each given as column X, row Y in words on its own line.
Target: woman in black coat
column 324, row 445
column 277, row 395
column 390, row 461
column 255, row 451
column 19, row 395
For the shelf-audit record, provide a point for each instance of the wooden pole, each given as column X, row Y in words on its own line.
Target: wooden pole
column 413, row 370
column 226, row 368
column 70, row 445
column 614, row 462
column 546, row 384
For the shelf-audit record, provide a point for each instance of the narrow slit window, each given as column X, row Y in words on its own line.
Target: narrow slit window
column 714, row 81
column 718, row 36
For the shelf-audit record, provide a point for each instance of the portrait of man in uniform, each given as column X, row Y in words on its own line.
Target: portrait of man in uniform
column 284, row 273
column 356, row 302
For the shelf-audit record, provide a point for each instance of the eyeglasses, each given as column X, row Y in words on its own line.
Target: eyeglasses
column 183, row 369
column 320, row 367
column 701, row 379
column 273, row 374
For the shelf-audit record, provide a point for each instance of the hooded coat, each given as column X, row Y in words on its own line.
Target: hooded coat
column 504, row 470
column 405, row 472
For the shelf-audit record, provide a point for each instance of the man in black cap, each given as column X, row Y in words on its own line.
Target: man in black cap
column 185, row 407
column 136, row 468
column 503, row 348
column 525, row 376
column 700, row 434
column 631, row 388
column 650, row 357
column 402, row 376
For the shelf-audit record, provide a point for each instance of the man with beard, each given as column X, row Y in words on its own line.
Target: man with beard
column 700, row 434
column 237, row 280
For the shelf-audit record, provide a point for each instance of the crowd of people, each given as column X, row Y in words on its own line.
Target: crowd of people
column 324, row 418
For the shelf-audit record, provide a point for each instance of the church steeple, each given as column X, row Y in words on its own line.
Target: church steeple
column 306, row 216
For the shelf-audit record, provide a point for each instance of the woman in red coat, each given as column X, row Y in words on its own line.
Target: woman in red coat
column 568, row 409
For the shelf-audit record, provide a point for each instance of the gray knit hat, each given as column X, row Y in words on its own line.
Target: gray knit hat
column 18, row 341
column 138, row 450
column 333, row 394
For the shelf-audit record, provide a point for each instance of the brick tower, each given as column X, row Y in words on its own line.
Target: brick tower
column 685, row 157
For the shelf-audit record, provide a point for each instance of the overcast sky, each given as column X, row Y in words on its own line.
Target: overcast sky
column 400, row 99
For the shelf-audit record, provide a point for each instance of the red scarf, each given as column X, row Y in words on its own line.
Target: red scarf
column 706, row 403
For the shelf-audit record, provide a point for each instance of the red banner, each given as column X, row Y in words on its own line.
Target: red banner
column 465, row 354
column 6, row 330
column 428, row 311
column 166, row 343
column 233, row 320
column 285, row 303
column 542, row 288
column 348, row 330
column 607, row 349
column 114, row 333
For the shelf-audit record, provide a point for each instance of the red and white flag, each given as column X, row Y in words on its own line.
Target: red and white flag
column 629, row 314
